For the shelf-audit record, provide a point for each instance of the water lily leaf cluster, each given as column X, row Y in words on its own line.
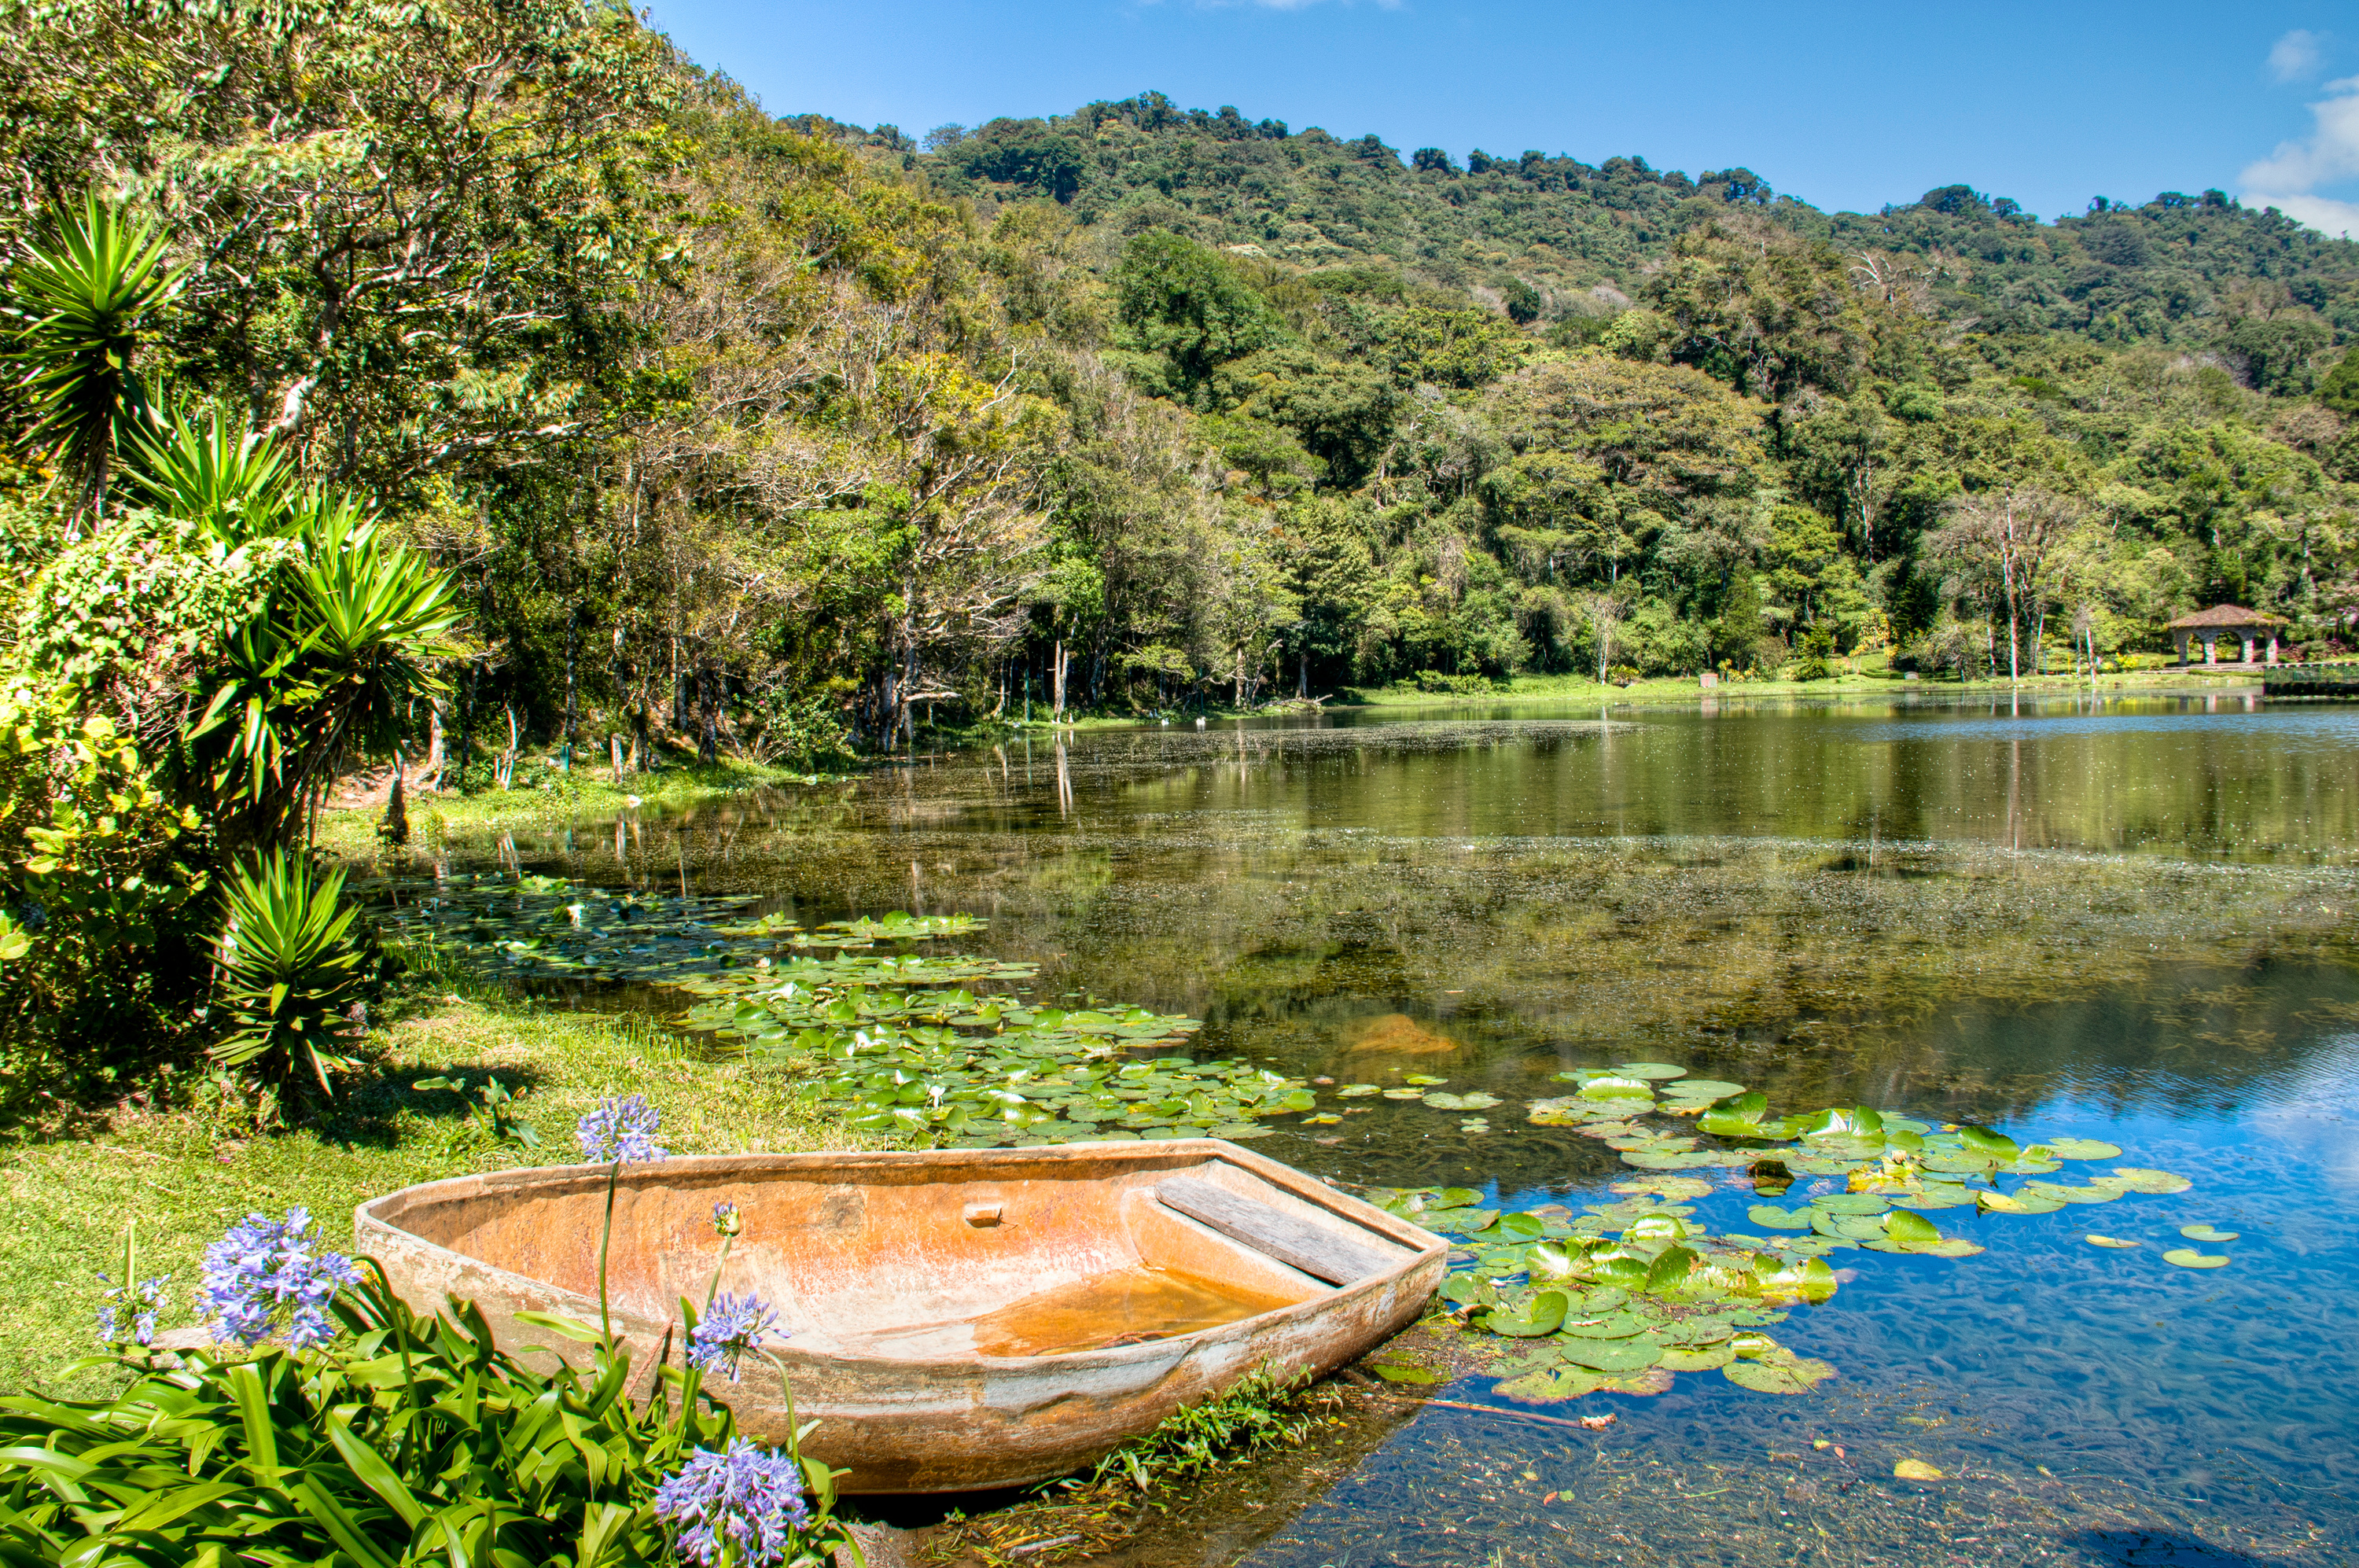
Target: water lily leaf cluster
column 1622, row 1295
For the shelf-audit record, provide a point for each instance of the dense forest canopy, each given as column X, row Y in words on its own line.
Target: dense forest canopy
column 783, row 435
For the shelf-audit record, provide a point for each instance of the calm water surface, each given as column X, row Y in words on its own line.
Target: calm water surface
column 2129, row 921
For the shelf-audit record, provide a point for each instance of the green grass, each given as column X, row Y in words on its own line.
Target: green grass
column 184, row 1171
column 1686, row 689
column 549, row 797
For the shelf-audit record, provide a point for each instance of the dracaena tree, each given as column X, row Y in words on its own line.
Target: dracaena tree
column 76, row 301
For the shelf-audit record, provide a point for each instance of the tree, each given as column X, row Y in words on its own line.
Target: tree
column 76, row 303
column 2005, row 540
column 1187, row 306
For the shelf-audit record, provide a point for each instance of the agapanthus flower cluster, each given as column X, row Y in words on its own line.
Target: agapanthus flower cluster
column 263, row 1270
column 620, row 1129
column 725, row 1219
column 732, row 1326
column 746, row 1502
column 145, row 1300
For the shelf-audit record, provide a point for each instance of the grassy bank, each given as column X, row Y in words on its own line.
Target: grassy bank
column 183, row 1163
column 545, row 796
column 1685, row 688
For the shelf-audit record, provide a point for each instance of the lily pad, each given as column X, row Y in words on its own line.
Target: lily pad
column 1916, row 1470
column 1401, row 1372
column 2093, row 1239
column 1780, row 1372
column 1356, row 1090
column 2083, row 1148
column 2188, row 1258
column 2138, row 1180
column 1670, row 1188
column 1655, row 1070
column 1551, row 1387
column 1771, row 1218
column 1538, row 1316
column 1697, row 1359
column 1701, row 1089
column 2206, row 1233
column 1850, row 1203
column 1611, row 1354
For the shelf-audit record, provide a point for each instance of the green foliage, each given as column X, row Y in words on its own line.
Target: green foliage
column 331, row 664
column 411, row 1441
column 75, row 303
column 98, row 867
column 1264, row 1410
column 1189, row 306
column 292, row 966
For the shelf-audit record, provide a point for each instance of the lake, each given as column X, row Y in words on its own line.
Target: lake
column 2126, row 919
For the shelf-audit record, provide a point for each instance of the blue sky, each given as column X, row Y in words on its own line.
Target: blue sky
column 1845, row 106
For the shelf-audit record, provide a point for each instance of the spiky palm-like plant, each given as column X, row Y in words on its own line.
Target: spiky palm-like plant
column 291, row 967
column 215, row 470
column 72, row 306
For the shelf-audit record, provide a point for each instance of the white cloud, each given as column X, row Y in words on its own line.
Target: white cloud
column 2295, row 55
column 2324, row 213
column 2288, row 179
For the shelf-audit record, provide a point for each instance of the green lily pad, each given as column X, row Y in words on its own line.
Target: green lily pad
column 1551, row 1387
column 1850, row 1203
column 1611, row 1354
column 1540, row 1315
column 1697, row 1359
column 2016, row 1204
column 1671, row 1189
column 2093, row 1239
column 2206, row 1233
column 1594, row 1322
column 2060, row 1193
column 1781, row 1372
column 1401, row 1372
column 1701, row 1089
column 2160, row 1184
column 1356, row 1090
column 1655, row 1070
column 2188, row 1258
column 1422, row 1079
column 1771, row 1218
column 2083, row 1148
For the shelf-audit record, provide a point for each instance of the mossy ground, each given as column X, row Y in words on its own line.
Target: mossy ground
column 182, row 1164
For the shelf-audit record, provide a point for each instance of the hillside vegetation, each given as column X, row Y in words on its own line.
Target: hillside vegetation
column 785, row 436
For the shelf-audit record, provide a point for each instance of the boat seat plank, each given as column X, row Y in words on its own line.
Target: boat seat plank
column 1317, row 1252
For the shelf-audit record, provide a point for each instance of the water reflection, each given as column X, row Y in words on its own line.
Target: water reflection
column 2129, row 921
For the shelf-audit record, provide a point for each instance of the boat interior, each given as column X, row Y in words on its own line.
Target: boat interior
column 929, row 1261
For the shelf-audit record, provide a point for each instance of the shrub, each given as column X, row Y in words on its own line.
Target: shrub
column 98, row 872
column 291, row 970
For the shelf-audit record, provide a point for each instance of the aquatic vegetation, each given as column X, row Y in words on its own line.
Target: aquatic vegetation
column 1626, row 1294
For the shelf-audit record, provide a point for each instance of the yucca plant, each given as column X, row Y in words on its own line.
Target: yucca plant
column 291, row 968
column 330, row 668
column 217, row 471
column 74, row 304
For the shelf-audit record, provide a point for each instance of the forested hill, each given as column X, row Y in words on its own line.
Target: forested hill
column 782, row 435
column 2170, row 270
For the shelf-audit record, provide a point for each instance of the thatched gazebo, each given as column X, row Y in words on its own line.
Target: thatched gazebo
column 2247, row 626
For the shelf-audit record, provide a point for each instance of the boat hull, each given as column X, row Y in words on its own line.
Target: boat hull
column 912, row 1283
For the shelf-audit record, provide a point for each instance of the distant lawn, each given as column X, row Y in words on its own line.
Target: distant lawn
column 544, row 796
column 1688, row 689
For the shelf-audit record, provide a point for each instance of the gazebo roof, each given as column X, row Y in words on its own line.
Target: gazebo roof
column 2224, row 615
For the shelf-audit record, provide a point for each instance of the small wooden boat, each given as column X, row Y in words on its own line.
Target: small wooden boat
column 957, row 1319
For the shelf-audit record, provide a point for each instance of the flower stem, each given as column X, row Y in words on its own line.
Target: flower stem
column 607, row 1235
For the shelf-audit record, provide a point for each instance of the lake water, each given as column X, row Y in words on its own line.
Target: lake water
column 2129, row 921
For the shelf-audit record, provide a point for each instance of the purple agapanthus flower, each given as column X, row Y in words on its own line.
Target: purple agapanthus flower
column 147, row 1297
column 726, row 1220
column 620, row 1129
column 731, row 1327
column 263, row 1269
column 746, row 1501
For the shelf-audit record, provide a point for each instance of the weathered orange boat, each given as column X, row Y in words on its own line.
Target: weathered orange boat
column 957, row 1319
